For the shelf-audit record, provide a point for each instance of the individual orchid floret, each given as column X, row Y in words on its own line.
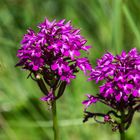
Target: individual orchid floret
column 84, row 65
column 119, row 89
column 50, row 97
column 91, row 99
column 107, row 118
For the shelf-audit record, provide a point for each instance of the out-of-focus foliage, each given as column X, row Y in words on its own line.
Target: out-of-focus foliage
column 109, row 25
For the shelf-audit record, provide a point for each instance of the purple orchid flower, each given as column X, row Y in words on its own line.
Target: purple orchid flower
column 54, row 52
column 120, row 88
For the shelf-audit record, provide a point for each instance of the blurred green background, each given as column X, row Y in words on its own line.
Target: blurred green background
column 110, row 25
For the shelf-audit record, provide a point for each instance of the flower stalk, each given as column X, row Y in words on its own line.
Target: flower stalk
column 55, row 121
column 122, row 126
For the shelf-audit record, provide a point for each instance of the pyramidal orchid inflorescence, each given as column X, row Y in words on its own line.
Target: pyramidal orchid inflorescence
column 120, row 89
column 53, row 56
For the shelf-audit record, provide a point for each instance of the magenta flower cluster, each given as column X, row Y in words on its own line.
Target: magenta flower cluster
column 54, row 50
column 53, row 56
column 120, row 89
column 121, row 79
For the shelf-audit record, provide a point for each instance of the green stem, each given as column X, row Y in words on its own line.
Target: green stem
column 122, row 126
column 55, row 122
column 122, row 135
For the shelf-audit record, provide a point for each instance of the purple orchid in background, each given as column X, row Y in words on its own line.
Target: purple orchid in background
column 120, row 89
column 54, row 53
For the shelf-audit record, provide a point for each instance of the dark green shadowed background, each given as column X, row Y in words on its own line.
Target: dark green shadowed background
column 108, row 25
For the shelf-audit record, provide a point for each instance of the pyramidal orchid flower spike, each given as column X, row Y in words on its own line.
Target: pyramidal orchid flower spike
column 120, row 90
column 53, row 55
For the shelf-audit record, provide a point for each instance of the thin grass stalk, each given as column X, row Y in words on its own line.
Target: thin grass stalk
column 117, row 29
column 131, row 23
